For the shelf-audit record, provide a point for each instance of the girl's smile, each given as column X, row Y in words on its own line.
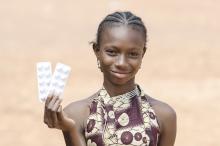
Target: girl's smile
column 120, row 74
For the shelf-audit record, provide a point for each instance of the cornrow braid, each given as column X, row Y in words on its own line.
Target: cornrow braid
column 121, row 18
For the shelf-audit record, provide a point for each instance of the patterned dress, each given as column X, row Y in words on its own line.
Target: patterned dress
column 126, row 119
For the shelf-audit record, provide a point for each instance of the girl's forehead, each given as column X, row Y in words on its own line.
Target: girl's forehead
column 122, row 34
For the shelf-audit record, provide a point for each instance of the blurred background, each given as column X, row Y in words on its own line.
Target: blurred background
column 181, row 66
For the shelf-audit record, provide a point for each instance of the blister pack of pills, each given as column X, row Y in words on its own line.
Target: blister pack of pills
column 51, row 83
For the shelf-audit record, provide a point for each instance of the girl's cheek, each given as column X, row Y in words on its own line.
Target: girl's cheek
column 107, row 60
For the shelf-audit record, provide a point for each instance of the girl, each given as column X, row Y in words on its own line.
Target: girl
column 120, row 113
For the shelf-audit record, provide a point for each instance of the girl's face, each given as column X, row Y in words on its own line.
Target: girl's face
column 120, row 53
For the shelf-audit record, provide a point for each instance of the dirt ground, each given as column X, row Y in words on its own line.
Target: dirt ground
column 181, row 66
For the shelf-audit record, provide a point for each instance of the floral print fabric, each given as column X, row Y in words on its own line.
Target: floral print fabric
column 126, row 119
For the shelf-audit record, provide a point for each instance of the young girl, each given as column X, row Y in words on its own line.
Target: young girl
column 120, row 113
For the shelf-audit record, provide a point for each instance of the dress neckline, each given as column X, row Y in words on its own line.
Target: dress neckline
column 104, row 95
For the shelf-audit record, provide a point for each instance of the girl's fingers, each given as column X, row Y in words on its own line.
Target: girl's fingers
column 46, row 114
column 54, row 113
column 56, row 104
column 49, row 98
column 60, row 113
column 49, row 112
column 52, row 102
column 54, row 119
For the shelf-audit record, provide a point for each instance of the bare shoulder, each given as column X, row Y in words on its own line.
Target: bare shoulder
column 76, row 107
column 165, row 109
column 79, row 110
column 164, row 112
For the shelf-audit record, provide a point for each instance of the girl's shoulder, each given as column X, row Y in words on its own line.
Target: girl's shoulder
column 164, row 112
column 79, row 110
column 160, row 105
column 80, row 104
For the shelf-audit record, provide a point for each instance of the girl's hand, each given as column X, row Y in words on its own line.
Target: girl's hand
column 54, row 116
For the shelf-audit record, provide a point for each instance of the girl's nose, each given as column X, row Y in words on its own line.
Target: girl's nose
column 121, row 61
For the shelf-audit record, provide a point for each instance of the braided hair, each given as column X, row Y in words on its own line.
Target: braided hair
column 120, row 19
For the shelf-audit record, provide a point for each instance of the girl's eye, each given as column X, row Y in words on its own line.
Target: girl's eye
column 133, row 54
column 111, row 52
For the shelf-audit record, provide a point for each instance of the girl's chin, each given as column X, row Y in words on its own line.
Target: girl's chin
column 120, row 81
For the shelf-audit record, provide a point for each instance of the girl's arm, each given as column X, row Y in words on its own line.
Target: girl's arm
column 167, row 121
column 55, row 117
column 74, row 138
column 168, row 127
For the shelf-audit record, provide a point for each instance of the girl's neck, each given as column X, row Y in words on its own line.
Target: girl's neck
column 115, row 89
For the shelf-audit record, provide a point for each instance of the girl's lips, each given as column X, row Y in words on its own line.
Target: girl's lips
column 120, row 74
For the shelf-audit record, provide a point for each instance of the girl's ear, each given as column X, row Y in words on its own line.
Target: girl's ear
column 144, row 50
column 95, row 46
column 95, row 49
